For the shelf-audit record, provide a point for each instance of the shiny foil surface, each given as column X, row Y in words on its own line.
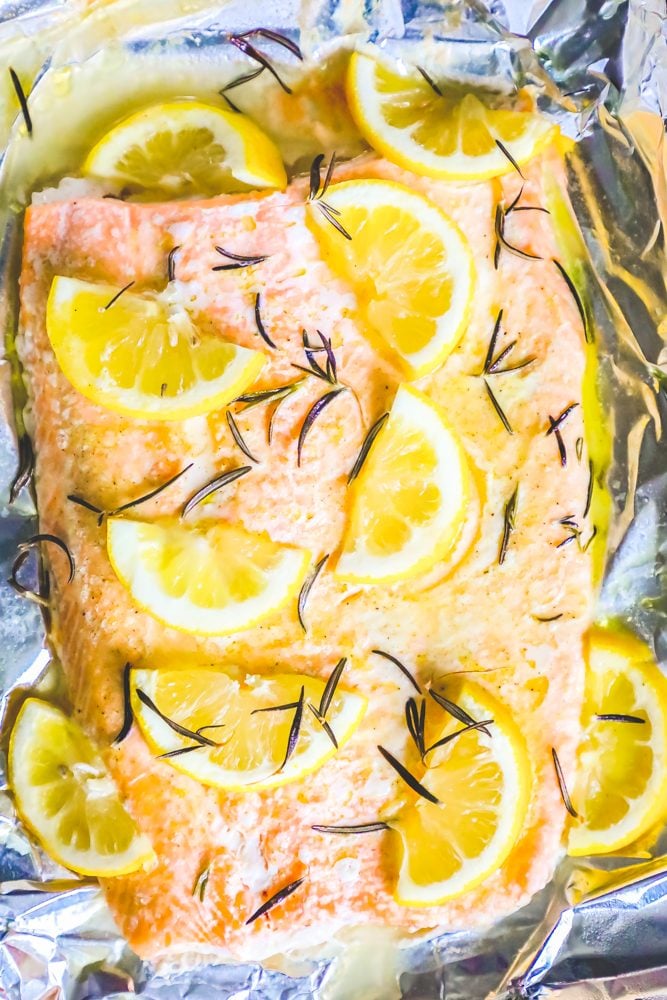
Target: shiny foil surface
column 598, row 931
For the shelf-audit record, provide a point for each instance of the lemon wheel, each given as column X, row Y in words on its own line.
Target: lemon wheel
column 66, row 796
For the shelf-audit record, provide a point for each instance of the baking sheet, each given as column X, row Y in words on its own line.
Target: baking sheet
column 598, row 930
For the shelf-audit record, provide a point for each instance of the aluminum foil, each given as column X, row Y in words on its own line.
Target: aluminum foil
column 598, row 930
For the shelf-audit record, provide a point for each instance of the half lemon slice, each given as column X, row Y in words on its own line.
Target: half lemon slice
column 411, row 498
column 410, row 267
column 483, row 785
column 141, row 354
column 212, row 579
column 186, row 148
column 66, row 796
column 436, row 131
column 248, row 719
column 621, row 787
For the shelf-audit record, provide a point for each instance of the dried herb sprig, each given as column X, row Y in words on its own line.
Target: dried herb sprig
column 259, row 322
column 117, row 295
column 312, row 415
column 620, row 717
column 456, row 711
column 214, row 485
column 366, row 447
column 509, row 524
column 26, row 467
column 179, row 752
column 22, row 99
column 589, row 489
column 82, row 502
column 415, row 719
column 330, row 372
column 250, row 399
column 171, row 263
column 304, row 593
column 238, row 437
column 288, row 706
column 503, row 242
column 274, row 36
column 555, row 423
column 432, row 84
column 317, row 192
column 324, row 724
column 295, row 728
column 330, row 686
column 565, row 795
column 459, row 732
column 547, row 618
column 353, row 828
column 492, row 362
column 237, row 82
column 241, row 42
column 40, row 597
column 127, row 707
column 36, row 540
column 189, row 734
column 397, row 663
column 588, row 333
column 277, row 897
column 408, row 778
column 239, row 260
column 506, row 153
column 201, row 882
column 497, row 407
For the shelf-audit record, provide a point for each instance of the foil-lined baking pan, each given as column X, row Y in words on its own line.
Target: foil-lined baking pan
column 598, row 930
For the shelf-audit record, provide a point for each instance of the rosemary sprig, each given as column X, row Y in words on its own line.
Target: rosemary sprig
column 250, row 399
column 589, row 490
column 312, row 415
column 547, row 618
column 199, row 887
column 238, row 437
column 408, row 778
column 588, row 333
column 304, row 593
column 102, row 514
column 213, row 486
column 491, row 349
column 117, row 295
column 354, row 828
column 565, row 795
column 40, row 597
column 366, row 447
column 288, row 706
column 620, row 717
column 237, row 82
column 432, row 84
column 127, row 707
column 243, row 45
column 171, row 263
column 328, row 212
column 317, row 192
column 277, row 897
column 274, row 36
column 497, row 407
column 330, row 687
column 324, row 724
column 554, row 424
column 189, row 734
column 503, row 242
column 590, row 538
column 36, row 540
column 452, row 736
column 456, row 711
column 295, row 729
column 415, row 719
column 238, row 260
column 506, row 153
column 179, row 752
column 579, row 448
column 261, row 329
column 397, row 663
column 509, row 519
column 26, row 467
column 22, row 99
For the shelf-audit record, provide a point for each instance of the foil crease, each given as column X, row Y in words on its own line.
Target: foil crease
column 597, row 931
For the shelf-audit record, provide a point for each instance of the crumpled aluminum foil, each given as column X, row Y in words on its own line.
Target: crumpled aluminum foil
column 597, row 931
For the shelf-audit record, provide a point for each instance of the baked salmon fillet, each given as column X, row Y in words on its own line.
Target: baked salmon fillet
column 516, row 623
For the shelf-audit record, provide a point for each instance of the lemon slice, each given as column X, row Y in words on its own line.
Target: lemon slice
column 212, row 579
column 410, row 266
column 483, row 785
column 252, row 743
column 184, row 148
column 142, row 355
column 411, row 498
column 451, row 134
column 66, row 796
column 621, row 787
